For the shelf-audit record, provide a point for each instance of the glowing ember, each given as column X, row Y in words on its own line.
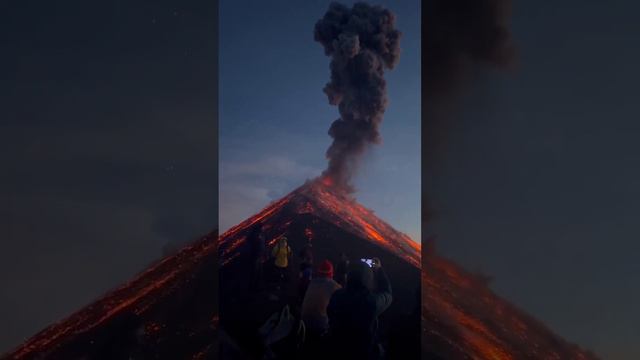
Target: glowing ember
column 327, row 181
column 308, row 233
column 152, row 327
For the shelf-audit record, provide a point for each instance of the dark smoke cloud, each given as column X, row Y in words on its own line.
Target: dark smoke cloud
column 459, row 37
column 362, row 42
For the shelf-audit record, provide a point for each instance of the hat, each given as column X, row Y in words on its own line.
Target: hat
column 359, row 276
column 325, row 269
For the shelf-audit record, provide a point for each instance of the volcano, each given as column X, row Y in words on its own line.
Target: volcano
column 461, row 318
column 332, row 223
column 169, row 311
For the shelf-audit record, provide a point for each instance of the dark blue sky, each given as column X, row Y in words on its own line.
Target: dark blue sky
column 107, row 144
column 274, row 116
column 537, row 183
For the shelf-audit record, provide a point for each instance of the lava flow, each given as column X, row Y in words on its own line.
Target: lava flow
column 169, row 311
column 463, row 319
column 319, row 199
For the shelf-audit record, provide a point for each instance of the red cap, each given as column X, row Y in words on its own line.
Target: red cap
column 325, row 269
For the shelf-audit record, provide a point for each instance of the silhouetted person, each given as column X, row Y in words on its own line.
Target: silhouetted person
column 306, row 269
column 306, row 254
column 316, row 299
column 341, row 270
column 404, row 330
column 257, row 252
column 353, row 311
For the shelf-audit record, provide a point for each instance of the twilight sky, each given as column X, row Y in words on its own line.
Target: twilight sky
column 274, row 116
column 107, row 145
column 537, row 181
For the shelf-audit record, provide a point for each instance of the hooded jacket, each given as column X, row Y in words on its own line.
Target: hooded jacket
column 353, row 311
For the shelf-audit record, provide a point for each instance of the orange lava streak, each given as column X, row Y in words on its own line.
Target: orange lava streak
column 269, row 210
column 129, row 295
column 317, row 198
column 480, row 324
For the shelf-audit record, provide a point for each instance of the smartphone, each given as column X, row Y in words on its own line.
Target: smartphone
column 368, row 262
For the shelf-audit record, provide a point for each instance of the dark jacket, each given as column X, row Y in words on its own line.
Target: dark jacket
column 256, row 242
column 341, row 272
column 353, row 311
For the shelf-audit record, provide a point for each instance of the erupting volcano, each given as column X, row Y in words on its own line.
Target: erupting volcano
column 461, row 317
column 322, row 202
column 331, row 221
column 169, row 311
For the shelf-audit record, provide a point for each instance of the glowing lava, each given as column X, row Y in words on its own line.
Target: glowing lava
column 158, row 287
column 464, row 317
column 319, row 199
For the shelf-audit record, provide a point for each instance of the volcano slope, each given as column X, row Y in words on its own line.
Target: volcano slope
column 332, row 223
column 463, row 319
column 169, row 311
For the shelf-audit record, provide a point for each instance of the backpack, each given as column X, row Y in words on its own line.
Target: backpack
column 280, row 326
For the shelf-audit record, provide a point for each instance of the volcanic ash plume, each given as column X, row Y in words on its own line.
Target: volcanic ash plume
column 362, row 42
column 459, row 39
column 460, row 35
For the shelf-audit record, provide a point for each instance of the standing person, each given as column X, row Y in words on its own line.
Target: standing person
column 281, row 253
column 257, row 251
column 306, row 269
column 353, row 311
column 341, row 269
column 306, row 254
column 316, row 299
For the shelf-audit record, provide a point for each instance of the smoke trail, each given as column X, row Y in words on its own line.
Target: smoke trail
column 362, row 42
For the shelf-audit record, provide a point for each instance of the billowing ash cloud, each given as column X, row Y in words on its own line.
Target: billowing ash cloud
column 362, row 42
column 459, row 37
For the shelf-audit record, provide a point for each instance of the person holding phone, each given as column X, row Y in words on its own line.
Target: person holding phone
column 354, row 310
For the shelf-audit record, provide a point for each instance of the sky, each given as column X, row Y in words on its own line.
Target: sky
column 537, row 181
column 274, row 116
column 107, row 145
